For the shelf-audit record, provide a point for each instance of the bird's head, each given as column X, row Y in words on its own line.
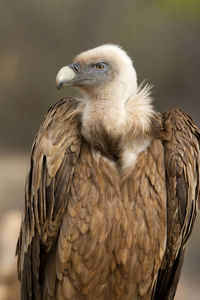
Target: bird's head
column 102, row 73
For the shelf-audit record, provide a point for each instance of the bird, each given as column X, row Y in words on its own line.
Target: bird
column 112, row 191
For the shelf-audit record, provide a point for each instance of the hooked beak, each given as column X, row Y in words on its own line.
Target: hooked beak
column 66, row 75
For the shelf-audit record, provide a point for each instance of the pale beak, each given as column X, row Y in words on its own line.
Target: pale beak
column 65, row 77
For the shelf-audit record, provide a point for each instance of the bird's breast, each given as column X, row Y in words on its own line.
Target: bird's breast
column 111, row 231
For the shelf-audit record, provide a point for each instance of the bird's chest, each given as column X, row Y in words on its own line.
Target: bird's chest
column 110, row 232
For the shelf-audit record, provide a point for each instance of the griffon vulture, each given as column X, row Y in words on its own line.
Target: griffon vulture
column 112, row 191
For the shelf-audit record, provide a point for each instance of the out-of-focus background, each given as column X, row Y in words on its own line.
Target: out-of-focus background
column 39, row 37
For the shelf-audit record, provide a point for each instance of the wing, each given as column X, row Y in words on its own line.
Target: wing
column 182, row 162
column 53, row 159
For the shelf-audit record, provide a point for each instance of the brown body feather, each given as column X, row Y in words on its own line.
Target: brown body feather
column 94, row 231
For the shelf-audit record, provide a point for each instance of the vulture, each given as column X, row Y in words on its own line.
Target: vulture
column 112, row 191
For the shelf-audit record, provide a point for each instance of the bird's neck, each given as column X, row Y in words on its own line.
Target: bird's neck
column 109, row 114
column 114, row 125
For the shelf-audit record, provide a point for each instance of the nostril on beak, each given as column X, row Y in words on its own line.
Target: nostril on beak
column 76, row 67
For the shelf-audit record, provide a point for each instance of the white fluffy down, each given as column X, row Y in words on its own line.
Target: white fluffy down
column 119, row 106
column 125, row 83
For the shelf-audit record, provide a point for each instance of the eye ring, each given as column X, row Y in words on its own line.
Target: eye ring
column 100, row 66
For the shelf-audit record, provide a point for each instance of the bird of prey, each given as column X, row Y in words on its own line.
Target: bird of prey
column 112, row 192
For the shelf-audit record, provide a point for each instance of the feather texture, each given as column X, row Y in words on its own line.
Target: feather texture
column 181, row 140
column 91, row 231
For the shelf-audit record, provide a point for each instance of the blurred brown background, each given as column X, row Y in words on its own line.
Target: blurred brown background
column 38, row 37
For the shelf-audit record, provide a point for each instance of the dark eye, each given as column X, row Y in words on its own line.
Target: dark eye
column 100, row 66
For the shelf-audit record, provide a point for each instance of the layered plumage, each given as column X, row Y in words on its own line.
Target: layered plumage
column 112, row 190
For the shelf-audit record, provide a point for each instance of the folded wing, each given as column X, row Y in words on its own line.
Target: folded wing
column 182, row 162
column 54, row 155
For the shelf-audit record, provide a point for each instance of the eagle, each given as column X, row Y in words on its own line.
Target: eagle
column 112, row 192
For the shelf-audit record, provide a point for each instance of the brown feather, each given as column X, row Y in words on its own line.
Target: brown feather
column 93, row 230
column 181, row 140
